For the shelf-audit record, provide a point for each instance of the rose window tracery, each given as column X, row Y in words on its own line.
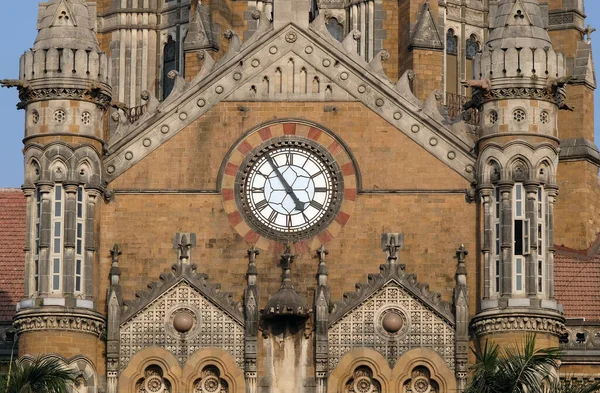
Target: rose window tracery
column 362, row 381
column 210, row 382
column 153, row 382
column 420, row 382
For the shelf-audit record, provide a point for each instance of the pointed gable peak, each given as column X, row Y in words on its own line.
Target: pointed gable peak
column 67, row 24
column 519, row 24
column 63, row 16
column 426, row 34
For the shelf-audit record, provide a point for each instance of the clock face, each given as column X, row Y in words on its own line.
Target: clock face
column 290, row 189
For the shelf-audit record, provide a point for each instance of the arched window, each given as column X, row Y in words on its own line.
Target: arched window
column 471, row 50
column 420, row 381
column 336, row 29
column 210, row 381
column 362, row 381
column 451, row 62
column 170, row 63
column 153, row 381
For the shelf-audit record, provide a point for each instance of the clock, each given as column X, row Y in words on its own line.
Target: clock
column 289, row 188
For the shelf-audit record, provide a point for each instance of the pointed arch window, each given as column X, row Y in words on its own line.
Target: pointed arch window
column 451, row 76
column 57, row 238
column 36, row 257
column 79, row 240
column 472, row 47
column 170, row 63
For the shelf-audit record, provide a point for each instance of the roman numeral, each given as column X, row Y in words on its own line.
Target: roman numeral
column 306, row 219
column 288, row 221
column 260, row 206
column 316, row 205
column 273, row 216
column 257, row 189
column 289, row 158
column 320, row 189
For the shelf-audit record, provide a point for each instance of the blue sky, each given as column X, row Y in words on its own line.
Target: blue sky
column 17, row 26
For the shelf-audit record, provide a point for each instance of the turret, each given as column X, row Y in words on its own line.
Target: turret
column 63, row 88
column 519, row 91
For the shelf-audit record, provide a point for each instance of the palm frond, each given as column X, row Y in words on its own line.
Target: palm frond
column 40, row 376
column 527, row 366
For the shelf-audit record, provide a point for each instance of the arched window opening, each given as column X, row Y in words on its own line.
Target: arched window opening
column 153, row 381
column 451, row 62
column 336, row 29
column 210, row 381
column 362, row 381
column 471, row 50
column 170, row 63
column 420, row 381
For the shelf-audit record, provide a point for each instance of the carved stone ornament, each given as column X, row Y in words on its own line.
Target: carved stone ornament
column 515, row 323
column 204, row 325
column 519, row 92
column 391, row 314
column 30, row 95
column 83, row 322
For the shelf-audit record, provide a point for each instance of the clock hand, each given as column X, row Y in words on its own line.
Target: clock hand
column 299, row 205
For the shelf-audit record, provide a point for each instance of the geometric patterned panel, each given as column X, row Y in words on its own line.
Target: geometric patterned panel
column 208, row 327
column 413, row 326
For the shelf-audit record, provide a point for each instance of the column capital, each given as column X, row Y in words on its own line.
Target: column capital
column 45, row 187
column 505, row 185
column 28, row 189
column 70, row 187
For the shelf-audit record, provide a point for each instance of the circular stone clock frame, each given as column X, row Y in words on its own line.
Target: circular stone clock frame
column 310, row 140
column 289, row 188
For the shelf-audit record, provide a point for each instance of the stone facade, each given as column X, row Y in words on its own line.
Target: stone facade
column 426, row 226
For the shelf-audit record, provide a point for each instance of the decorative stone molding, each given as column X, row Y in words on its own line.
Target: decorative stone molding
column 351, row 74
column 27, row 95
column 529, row 93
column 407, row 281
column 516, row 322
column 71, row 320
column 183, row 272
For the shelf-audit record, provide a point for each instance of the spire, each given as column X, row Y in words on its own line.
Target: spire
column 67, row 24
column 518, row 24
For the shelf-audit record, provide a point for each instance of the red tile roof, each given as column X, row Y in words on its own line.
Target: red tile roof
column 12, row 256
column 577, row 282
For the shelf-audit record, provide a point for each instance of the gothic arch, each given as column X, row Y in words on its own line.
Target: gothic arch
column 421, row 357
column 518, row 169
column 205, row 358
column 136, row 369
column 360, row 357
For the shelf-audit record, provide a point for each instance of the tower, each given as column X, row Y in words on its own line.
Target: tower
column 64, row 90
column 521, row 89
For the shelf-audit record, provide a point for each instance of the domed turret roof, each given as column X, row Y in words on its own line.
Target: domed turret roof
column 518, row 24
column 66, row 24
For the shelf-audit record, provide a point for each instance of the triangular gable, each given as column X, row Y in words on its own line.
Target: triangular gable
column 63, row 16
column 199, row 282
column 422, row 320
column 157, row 321
column 395, row 104
column 426, row 34
column 518, row 16
column 392, row 273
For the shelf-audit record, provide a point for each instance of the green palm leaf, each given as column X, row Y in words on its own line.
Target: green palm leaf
column 40, row 376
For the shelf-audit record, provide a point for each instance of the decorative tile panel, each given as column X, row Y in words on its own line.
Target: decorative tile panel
column 362, row 327
column 153, row 327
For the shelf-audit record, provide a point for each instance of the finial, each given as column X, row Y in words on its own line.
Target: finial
column 115, row 270
column 461, row 253
column 114, row 253
column 391, row 244
column 286, row 263
column 588, row 33
column 252, row 253
column 321, row 253
column 184, row 249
